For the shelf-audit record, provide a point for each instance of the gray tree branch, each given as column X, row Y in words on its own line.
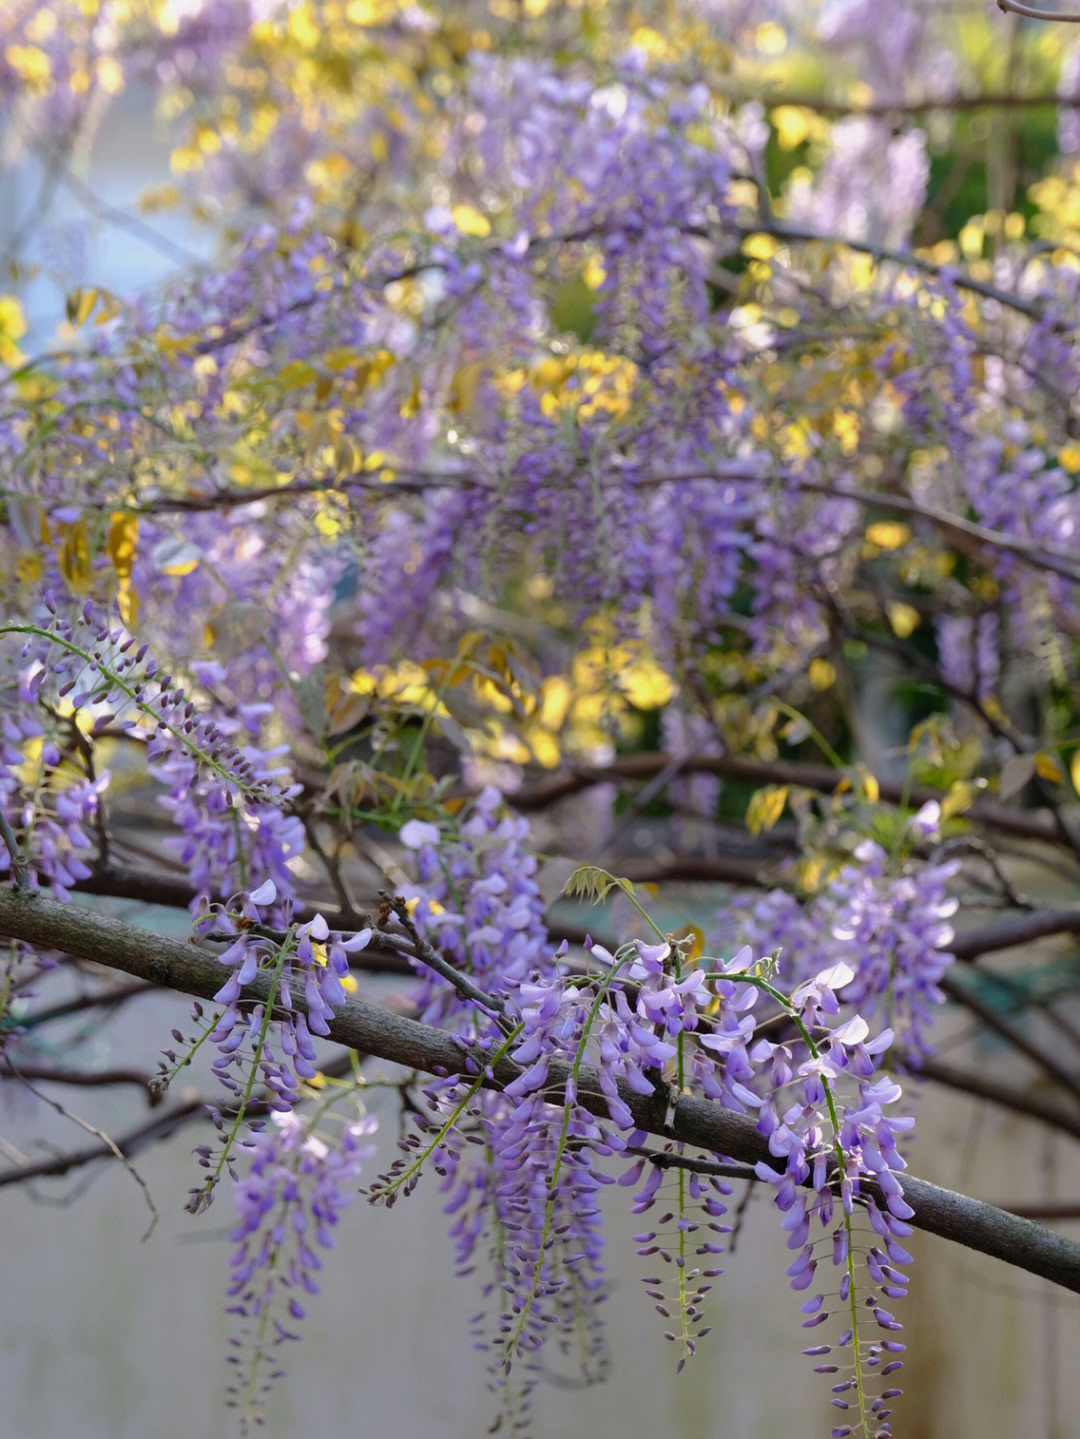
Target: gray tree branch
column 43, row 923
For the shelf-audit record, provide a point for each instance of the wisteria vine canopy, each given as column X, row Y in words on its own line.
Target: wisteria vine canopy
column 610, row 445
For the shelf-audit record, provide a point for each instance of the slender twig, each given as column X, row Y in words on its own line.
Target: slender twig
column 1029, row 12
column 1047, row 1061
column 427, row 954
column 18, row 859
column 100, row 1135
column 83, row 1079
column 930, row 104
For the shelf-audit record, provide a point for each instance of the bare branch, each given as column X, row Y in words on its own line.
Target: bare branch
column 191, row 970
column 1013, row 7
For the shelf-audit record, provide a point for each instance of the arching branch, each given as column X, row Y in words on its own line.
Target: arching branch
column 40, row 921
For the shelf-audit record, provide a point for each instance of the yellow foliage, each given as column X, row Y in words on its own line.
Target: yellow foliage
column 73, row 555
column 888, row 534
column 32, row 66
column 770, row 38
column 121, row 545
column 760, row 247
column 470, row 221
column 796, row 124
column 765, row 808
column 12, row 328
column 904, row 619
column 961, row 797
column 578, row 385
column 1047, row 767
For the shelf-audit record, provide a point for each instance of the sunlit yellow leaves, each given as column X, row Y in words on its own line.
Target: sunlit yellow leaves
column 593, row 272
column 40, row 26
column 296, row 374
column 303, row 27
column 32, row 66
column 79, row 306
column 246, row 466
column 904, row 619
column 760, row 247
column 1047, row 767
column 470, row 221
column 12, row 328
column 796, row 124
column 846, row 429
column 108, row 74
column 464, row 391
column 625, row 671
column 765, row 808
column 652, row 42
column 770, row 38
column 887, row 535
column 176, row 557
column 960, row 798
column 579, row 385
column 121, row 545
column 406, row 683
column 73, row 555
column 170, row 344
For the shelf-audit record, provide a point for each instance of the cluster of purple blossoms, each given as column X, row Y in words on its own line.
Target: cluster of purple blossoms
column 889, row 924
column 227, row 796
column 50, row 816
column 308, row 959
column 519, row 1168
column 288, row 1204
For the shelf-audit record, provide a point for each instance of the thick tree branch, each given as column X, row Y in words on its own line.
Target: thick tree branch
column 42, row 922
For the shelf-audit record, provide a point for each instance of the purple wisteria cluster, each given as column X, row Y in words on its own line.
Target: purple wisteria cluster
column 888, row 922
column 523, row 1194
column 275, row 1037
column 641, row 1027
column 288, row 1204
column 82, row 676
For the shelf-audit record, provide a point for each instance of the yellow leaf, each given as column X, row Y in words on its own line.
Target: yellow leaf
column 822, row 674
column 470, row 221
column 1047, row 767
column 123, row 533
column 12, row 328
column 903, row 618
column 888, row 534
column 766, row 807
column 296, row 373
column 868, row 786
column 74, row 555
column 79, row 305
column 31, row 65
column 961, row 797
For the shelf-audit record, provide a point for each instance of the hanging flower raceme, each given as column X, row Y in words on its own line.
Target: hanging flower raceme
column 288, row 1204
column 643, row 1021
column 275, row 1036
